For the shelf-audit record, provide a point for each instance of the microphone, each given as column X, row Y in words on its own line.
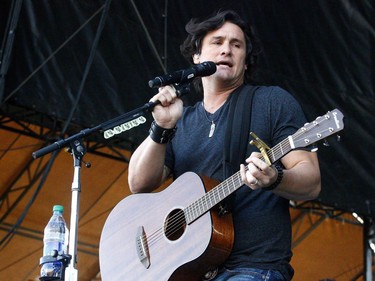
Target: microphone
column 184, row 75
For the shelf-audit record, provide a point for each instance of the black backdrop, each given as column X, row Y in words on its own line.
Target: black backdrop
column 321, row 51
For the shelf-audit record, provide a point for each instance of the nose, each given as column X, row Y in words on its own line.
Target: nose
column 226, row 49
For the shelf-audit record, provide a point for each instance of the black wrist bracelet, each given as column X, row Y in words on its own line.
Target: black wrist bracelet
column 280, row 174
column 161, row 135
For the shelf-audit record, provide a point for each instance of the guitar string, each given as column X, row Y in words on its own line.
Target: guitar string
column 180, row 218
column 179, row 221
column 285, row 142
column 301, row 131
column 285, row 145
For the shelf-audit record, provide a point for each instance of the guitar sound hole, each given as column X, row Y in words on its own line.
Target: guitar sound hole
column 175, row 224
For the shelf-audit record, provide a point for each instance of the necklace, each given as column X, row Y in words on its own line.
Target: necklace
column 212, row 121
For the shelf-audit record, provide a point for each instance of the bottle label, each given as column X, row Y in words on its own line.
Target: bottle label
column 54, row 236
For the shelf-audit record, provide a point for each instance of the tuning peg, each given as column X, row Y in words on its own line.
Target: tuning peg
column 326, row 143
column 338, row 138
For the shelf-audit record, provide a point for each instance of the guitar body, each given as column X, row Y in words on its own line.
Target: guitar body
column 182, row 252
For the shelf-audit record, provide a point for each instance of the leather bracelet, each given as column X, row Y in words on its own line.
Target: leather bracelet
column 280, row 174
column 161, row 135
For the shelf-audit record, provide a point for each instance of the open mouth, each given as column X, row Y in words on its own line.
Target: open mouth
column 225, row 63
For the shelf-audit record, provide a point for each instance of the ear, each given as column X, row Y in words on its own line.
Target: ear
column 196, row 58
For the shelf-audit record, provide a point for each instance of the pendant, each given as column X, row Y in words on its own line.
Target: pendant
column 212, row 129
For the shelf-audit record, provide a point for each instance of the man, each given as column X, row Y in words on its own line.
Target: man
column 192, row 139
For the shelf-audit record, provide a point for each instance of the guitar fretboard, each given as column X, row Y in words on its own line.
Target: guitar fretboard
column 230, row 185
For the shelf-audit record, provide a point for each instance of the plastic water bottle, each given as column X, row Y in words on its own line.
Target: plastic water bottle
column 55, row 239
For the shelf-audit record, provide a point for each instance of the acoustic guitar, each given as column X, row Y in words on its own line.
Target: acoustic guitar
column 177, row 233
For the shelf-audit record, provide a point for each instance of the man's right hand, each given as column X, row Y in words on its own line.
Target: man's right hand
column 167, row 113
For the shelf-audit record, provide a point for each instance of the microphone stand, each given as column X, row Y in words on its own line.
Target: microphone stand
column 78, row 151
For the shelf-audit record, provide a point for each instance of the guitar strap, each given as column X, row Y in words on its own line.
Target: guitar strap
column 237, row 135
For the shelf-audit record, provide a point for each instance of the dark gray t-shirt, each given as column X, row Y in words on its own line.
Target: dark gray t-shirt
column 261, row 218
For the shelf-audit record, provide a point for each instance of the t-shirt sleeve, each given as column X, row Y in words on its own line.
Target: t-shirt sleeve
column 286, row 114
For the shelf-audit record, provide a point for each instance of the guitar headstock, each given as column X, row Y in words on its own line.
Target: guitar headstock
column 320, row 128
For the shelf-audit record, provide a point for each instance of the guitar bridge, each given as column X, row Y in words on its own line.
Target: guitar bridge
column 142, row 247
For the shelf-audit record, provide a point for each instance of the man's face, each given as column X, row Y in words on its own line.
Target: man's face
column 226, row 47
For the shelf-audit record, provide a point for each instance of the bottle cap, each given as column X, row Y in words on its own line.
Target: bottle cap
column 58, row 208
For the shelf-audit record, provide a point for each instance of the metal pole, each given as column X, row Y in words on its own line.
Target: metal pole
column 368, row 236
column 78, row 151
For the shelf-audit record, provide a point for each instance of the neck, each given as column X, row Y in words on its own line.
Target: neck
column 214, row 98
column 213, row 103
column 216, row 92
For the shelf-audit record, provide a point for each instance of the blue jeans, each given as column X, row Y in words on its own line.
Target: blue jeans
column 246, row 274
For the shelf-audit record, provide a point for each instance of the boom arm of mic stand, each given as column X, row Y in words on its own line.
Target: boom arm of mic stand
column 183, row 89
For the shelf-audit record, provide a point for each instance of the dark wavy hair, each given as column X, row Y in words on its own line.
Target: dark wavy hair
column 197, row 30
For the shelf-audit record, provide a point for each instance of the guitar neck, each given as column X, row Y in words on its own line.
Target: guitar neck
column 230, row 185
column 321, row 127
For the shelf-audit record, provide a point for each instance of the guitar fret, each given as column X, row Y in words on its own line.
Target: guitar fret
column 210, row 199
column 188, row 215
column 224, row 191
column 199, row 210
column 271, row 155
column 201, row 206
